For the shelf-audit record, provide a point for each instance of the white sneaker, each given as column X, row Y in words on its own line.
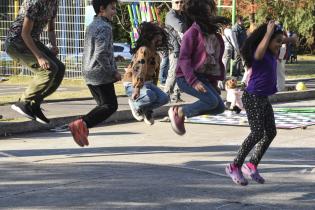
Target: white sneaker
column 135, row 113
column 148, row 118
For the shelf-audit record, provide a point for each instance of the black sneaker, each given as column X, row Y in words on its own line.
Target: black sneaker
column 24, row 109
column 148, row 118
column 39, row 115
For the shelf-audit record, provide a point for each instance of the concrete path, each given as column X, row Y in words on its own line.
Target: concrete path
column 135, row 166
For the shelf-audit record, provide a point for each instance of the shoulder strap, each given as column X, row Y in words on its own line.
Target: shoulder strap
column 228, row 40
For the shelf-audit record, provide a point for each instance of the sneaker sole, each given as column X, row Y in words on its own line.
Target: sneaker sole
column 227, row 171
column 249, row 176
column 41, row 121
column 17, row 109
column 148, row 122
column 174, row 127
column 132, row 112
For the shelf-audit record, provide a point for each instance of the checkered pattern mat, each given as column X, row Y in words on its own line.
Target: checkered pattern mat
column 283, row 120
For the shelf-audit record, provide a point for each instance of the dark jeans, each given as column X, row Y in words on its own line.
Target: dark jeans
column 106, row 100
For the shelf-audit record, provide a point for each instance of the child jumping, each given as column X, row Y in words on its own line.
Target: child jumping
column 99, row 70
column 141, row 77
column 23, row 45
column 200, row 63
column 260, row 54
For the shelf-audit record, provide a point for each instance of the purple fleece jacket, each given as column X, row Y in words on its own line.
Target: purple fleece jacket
column 193, row 55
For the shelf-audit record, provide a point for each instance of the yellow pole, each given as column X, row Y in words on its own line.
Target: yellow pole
column 16, row 8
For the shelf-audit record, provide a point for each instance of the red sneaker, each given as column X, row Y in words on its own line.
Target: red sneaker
column 177, row 122
column 79, row 132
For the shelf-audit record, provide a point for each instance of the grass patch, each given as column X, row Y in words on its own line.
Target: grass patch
column 304, row 68
column 82, row 92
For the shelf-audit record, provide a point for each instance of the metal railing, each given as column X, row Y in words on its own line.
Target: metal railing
column 70, row 27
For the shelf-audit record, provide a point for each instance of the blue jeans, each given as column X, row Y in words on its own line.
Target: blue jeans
column 165, row 65
column 151, row 97
column 208, row 103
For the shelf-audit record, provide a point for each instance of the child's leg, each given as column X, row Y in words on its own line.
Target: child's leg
column 255, row 109
column 106, row 100
column 208, row 103
column 56, row 81
column 161, row 97
column 43, row 78
column 150, row 98
column 271, row 132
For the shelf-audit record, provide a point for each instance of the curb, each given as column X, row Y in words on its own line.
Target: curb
column 292, row 96
column 10, row 128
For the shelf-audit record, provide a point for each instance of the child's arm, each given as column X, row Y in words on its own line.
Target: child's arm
column 103, row 53
column 139, row 70
column 52, row 36
column 27, row 38
column 157, row 71
column 263, row 45
column 187, row 49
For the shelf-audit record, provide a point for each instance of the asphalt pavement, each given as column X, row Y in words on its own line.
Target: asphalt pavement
column 135, row 166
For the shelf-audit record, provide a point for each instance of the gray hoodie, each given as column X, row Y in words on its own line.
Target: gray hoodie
column 176, row 25
column 99, row 66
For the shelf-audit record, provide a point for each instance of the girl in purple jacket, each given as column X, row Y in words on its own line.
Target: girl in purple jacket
column 260, row 54
column 200, row 63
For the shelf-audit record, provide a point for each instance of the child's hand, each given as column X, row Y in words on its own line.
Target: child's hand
column 43, row 62
column 135, row 93
column 199, row 87
column 271, row 27
column 117, row 76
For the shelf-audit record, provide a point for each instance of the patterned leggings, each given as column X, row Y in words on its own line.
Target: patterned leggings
column 262, row 125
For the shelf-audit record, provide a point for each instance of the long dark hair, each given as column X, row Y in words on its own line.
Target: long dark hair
column 253, row 41
column 147, row 31
column 196, row 11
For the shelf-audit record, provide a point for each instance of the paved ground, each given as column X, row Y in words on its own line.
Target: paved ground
column 134, row 166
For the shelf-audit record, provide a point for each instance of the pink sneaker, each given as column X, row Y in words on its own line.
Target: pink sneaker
column 176, row 121
column 236, row 174
column 251, row 171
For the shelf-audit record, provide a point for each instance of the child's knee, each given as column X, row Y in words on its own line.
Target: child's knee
column 272, row 134
column 151, row 95
column 165, row 99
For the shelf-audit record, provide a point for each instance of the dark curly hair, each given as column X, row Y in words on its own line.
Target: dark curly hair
column 147, row 31
column 253, row 41
column 197, row 11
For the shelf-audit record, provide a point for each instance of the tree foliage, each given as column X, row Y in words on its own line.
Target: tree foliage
column 295, row 15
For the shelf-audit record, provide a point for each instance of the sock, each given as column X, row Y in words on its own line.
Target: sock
column 251, row 166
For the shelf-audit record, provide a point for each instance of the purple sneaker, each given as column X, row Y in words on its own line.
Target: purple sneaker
column 252, row 172
column 236, row 174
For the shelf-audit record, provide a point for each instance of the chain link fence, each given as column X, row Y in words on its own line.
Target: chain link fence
column 70, row 27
